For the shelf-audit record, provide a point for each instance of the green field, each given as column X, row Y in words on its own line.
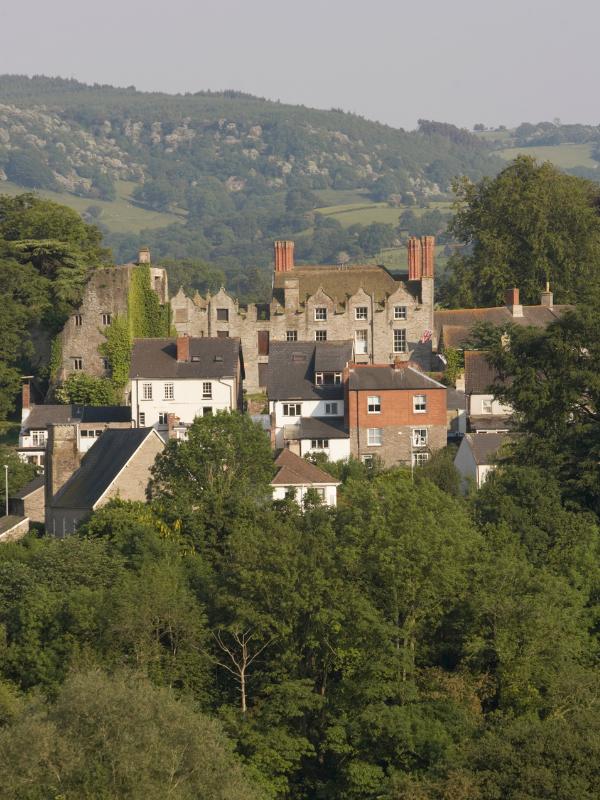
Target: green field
column 353, row 209
column 565, row 156
column 119, row 216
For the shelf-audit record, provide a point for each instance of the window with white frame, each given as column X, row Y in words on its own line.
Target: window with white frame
column 374, row 437
column 419, row 403
column 142, row 419
column 487, row 406
column 399, row 312
column 320, row 336
column 399, row 340
column 367, row 458
column 106, row 319
column 146, row 391
column 331, row 408
column 291, row 336
column 162, row 417
column 169, row 391
column 419, row 459
column 319, row 444
column 320, row 313
column 78, row 320
column 292, row 409
column 361, row 312
column 374, row 404
column 361, row 342
column 327, row 378
column 78, row 363
column 419, row 437
column 38, row 438
column 206, row 390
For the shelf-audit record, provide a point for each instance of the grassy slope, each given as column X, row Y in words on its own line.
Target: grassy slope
column 119, row 216
column 350, row 208
column 565, row 156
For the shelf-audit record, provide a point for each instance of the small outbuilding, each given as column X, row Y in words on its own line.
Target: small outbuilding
column 296, row 475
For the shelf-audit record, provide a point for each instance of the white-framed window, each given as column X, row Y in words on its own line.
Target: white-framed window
column 38, row 438
column 78, row 319
column 419, row 459
column 367, row 458
column 419, row 437
column 399, row 340
column 361, row 342
column 291, row 336
column 292, row 409
column 320, row 313
column 487, row 406
column 78, row 363
column 361, row 312
column 206, row 390
column 374, row 404
column 169, row 391
column 319, row 444
column 146, row 391
column 142, row 419
column 331, row 408
column 84, row 434
column 106, row 319
column 327, row 378
column 320, row 336
column 374, row 437
column 400, row 312
column 419, row 403
column 162, row 417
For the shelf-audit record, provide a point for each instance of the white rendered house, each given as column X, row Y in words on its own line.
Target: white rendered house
column 295, row 477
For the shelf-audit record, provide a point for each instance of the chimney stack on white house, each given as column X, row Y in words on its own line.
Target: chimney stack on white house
column 26, row 397
column 513, row 303
column 547, row 298
column 183, row 348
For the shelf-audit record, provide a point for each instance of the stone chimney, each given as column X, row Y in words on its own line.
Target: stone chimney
column 143, row 256
column 291, row 290
column 512, row 302
column 183, row 348
column 172, row 423
column 414, row 259
column 25, row 398
column 428, row 254
column 62, row 457
column 284, row 256
column 547, row 298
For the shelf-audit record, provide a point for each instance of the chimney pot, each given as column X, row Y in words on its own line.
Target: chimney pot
column 428, row 254
column 183, row 348
column 284, row 256
column 547, row 298
column 513, row 302
column 415, row 265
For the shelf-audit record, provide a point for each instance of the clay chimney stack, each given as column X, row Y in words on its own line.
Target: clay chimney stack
column 25, row 398
column 513, row 302
column 428, row 251
column 144, row 256
column 414, row 259
column 284, row 256
column 183, row 348
column 547, row 298
column 172, row 422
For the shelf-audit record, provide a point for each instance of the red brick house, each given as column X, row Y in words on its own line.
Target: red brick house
column 394, row 412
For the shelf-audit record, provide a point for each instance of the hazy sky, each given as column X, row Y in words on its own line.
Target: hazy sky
column 461, row 61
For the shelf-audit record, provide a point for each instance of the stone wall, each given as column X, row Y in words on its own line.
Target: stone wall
column 32, row 506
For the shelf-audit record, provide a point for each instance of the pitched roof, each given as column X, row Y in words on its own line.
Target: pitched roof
column 454, row 325
column 489, row 422
column 295, row 471
column 455, row 399
column 316, row 428
column 10, row 522
column 29, row 488
column 43, row 415
column 479, row 373
column 341, row 282
column 291, row 371
column 384, row 376
column 100, row 466
column 210, row 357
column 485, row 446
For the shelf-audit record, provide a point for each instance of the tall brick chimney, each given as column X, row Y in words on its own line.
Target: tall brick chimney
column 143, row 256
column 183, row 348
column 428, row 252
column 414, row 259
column 513, row 303
column 62, row 457
column 25, row 398
column 284, row 256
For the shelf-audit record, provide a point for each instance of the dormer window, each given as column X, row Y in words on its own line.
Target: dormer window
column 320, row 313
column 223, row 314
column 361, row 312
column 327, row 378
column 399, row 312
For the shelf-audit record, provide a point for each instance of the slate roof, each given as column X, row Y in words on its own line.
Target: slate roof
column 488, row 422
column 210, row 357
column 456, row 399
column 295, row 471
column 42, row 416
column 479, row 373
column 454, row 325
column 291, row 371
column 316, row 428
column 29, row 488
column 10, row 522
column 383, row 376
column 340, row 283
column 485, row 446
column 100, row 466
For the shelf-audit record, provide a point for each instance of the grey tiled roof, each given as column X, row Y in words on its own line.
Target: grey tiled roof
column 455, row 399
column 317, row 428
column 43, row 415
column 10, row 522
column 387, row 377
column 210, row 357
column 29, row 488
column 485, row 446
column 100, row 466
column 291, row 371
column 479, row 373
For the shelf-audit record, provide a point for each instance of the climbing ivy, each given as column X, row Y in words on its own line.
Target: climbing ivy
column 55, row 357
column 117, row 348
column 455, row 364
